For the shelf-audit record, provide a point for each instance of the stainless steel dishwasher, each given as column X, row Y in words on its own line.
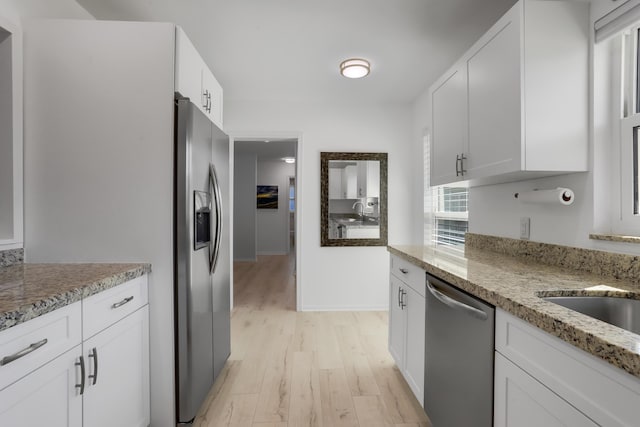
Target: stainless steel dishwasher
column 459, row 346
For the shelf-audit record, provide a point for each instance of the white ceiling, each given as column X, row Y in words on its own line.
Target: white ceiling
column 289, row 50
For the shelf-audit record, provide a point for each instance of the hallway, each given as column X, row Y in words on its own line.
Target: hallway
column 297, row 369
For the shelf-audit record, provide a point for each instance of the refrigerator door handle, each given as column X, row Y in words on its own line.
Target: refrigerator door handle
column 214, row 188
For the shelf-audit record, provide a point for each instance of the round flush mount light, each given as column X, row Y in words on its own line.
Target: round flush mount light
column 355, row 68
column 289, row 159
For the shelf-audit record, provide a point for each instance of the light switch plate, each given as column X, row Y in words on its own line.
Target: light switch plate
column 525, row 228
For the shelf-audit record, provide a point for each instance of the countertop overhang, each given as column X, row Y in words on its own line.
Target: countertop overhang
column 515, row 285
column 31, row 290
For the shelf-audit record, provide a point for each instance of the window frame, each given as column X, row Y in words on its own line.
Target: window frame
column 626, row 221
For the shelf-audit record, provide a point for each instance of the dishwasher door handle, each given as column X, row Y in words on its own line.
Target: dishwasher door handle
column 455, row 304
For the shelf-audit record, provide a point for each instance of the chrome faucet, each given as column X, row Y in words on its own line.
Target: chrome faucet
column 361, row 205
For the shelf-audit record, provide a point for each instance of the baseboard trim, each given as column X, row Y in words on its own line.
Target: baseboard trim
column 272, row 253
column 343, row 308
column 245, row 259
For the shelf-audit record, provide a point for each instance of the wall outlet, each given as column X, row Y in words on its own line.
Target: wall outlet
column 525, row 228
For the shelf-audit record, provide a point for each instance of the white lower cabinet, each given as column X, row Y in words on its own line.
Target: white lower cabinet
column 541, row 380
column 47, row 396
column 117, row 390
column 406, row 324
column 522, row 401
column 102, row 380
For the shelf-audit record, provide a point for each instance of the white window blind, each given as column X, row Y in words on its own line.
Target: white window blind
column 618, row 19
column 445, row 209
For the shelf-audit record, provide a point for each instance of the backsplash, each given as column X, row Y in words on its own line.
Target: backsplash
column 11, row 257
column 619, row 266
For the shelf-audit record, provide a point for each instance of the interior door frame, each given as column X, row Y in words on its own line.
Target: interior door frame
column 239, row 137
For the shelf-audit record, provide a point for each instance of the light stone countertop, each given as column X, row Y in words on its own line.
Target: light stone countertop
column 31, row 290
column 515, row 284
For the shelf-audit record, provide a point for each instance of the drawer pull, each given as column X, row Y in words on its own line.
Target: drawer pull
column 33, row 347
column 121, row 303
column 404, row 271
column 94, row 356
column 82, row 373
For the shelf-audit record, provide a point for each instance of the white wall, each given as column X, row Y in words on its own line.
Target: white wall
column 344, row 277
column 19, row 10
column 244, row 207
column 273, row 224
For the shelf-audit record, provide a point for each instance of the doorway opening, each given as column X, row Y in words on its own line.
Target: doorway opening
column 266, row 215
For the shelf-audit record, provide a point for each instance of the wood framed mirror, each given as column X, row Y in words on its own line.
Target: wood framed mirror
column 353, row 199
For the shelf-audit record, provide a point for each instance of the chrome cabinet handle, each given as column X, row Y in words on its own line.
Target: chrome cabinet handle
column 457, row 162
column 399, row 297
column 121, row 303
column 209, row 102
column 205, row 98
column 462, row 159
column 404, row 271
column 402, row 300
column 455, row 304
column 15, row 356
column 82, row 373
column 94, row 354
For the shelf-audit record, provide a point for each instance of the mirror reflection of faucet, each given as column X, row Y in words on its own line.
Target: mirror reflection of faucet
column 361, row 206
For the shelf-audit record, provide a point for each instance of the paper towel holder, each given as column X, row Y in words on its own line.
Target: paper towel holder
column 562, row 195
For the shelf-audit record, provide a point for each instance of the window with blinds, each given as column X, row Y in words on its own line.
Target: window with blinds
column 445, row 209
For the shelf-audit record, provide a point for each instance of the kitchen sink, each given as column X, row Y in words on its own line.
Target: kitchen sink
column 621, row 312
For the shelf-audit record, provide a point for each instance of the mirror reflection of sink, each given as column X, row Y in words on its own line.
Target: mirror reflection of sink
column 621, row 312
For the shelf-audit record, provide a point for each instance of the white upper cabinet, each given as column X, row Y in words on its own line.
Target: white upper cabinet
column 449, row 141
column 515, row 106
column 10, row 135
column 195, row 81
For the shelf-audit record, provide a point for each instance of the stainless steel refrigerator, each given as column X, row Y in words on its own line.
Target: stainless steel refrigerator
column 201, row 256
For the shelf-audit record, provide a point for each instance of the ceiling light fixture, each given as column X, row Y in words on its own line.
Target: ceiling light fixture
column 289, row 159
column 355, row 68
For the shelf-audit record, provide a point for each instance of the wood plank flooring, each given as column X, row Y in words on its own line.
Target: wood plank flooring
column 297, row 369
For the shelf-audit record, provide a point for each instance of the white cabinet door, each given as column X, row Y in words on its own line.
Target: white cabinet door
column 449, row 137
column 521, row 401
column 213, row 91
column 335, row 183
column 414, row 352
column 350, row 182
column 494, row 101
column 397, row 322
column 188, row 70
column 117, row 392
column 373, row 178
column 46, row 397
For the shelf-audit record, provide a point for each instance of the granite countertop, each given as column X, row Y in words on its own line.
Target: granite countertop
column 515, row 285
column 355, row 221
column 31, row 290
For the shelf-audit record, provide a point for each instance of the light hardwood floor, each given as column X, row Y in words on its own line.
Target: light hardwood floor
column 295, row 369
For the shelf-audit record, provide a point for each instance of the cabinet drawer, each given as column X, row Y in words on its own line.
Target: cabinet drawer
column 607, row 395
column 410, row 274
column 106, row 308
column 61, row 329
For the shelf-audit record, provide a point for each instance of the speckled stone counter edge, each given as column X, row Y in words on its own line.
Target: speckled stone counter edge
column 11, row 257
column 555, row 325
column 47, row 305
column 619, row 266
